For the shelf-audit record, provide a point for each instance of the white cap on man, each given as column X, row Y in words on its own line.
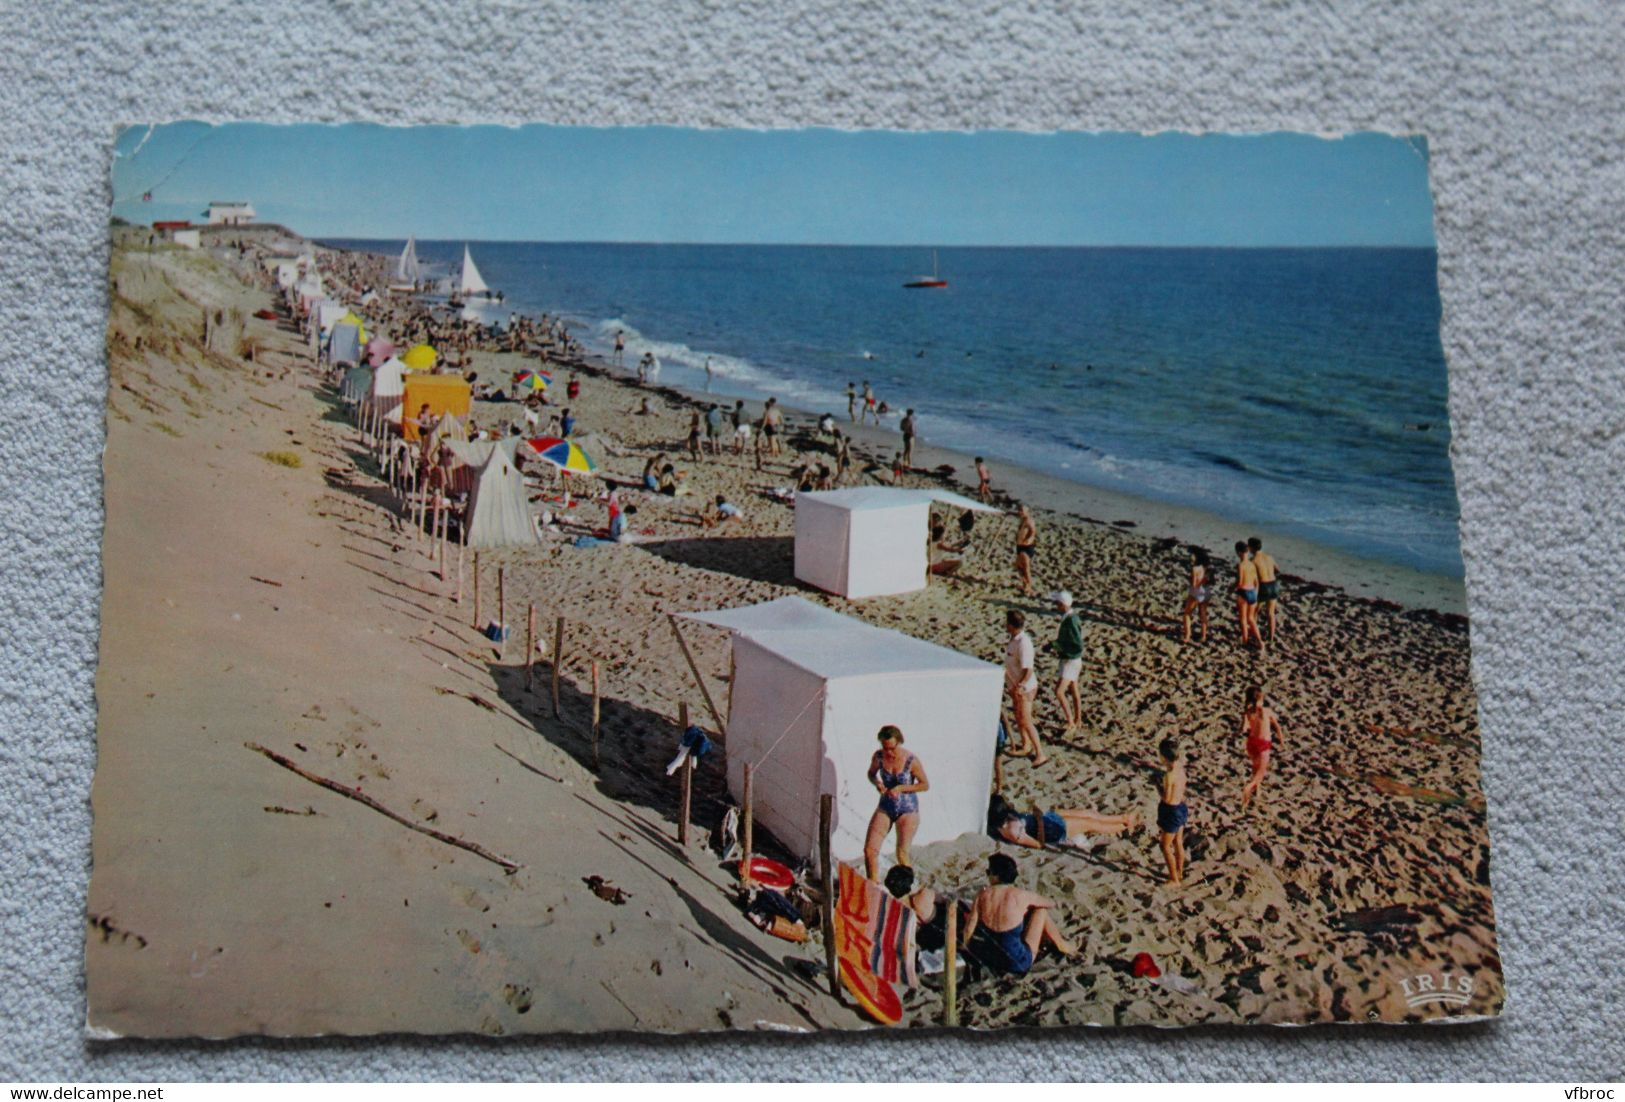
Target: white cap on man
column 1062, row 598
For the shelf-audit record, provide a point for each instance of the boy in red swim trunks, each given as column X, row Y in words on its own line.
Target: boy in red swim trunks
column 1263, row 733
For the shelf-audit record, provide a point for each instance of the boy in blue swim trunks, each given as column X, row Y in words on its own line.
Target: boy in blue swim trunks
column 1018, row 922
column 1172, row 814
column 1246, row 593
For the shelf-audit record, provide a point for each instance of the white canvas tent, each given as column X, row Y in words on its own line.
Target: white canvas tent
column 389, row 388
column 328, row 312
column 869, row 541
column 498, row 514
column 812, row 688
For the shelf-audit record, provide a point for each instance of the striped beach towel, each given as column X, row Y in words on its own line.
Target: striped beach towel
column 876, row 929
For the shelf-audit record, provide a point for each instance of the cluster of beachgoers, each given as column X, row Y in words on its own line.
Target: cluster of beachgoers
column 1152, row 853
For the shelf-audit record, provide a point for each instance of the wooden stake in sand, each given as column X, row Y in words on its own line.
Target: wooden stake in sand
column 418, row 500
column 530, row 645
column 462, row 542
column 558, row 660
column 722, row 728
column 826, row 878
column 595, row 713
column 437, row 540
column 687, row 780
column 746, row 830
column 477, row 625
column 360, row 797
column 950, row 975
column 502, row 614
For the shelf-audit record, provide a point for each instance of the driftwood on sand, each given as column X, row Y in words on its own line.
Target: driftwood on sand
column 356, row 794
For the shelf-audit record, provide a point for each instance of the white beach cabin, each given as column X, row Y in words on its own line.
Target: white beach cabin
column 869, row 541
column 811, row 690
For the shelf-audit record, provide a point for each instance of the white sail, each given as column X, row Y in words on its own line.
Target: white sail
column 472, row 283
column 407, row 270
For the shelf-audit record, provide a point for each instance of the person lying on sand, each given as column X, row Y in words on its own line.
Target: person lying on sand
column 1018, row 921
column 1262, row 730
column 721, row 512
column 1172, row 814
column 1061, row 826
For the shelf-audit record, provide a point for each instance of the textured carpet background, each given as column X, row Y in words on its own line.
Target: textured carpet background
column 1522, row 104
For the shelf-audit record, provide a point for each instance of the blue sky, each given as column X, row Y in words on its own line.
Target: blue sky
column 657, row 184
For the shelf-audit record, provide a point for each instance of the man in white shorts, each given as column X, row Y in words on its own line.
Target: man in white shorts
column 1069, row 649
column 1021, row 681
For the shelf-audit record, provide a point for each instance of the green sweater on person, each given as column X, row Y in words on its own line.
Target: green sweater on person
column 1069, row 640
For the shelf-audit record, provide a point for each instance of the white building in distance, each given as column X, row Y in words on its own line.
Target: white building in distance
column 229, row 214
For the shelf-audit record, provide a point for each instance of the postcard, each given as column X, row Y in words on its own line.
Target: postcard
column 564, row 579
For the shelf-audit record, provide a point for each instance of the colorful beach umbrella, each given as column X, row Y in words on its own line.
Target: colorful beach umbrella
column 420, row 357
column 532, row 380
column 379, row 349
column 563, row 454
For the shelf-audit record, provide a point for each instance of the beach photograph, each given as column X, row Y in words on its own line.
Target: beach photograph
column 677, row 580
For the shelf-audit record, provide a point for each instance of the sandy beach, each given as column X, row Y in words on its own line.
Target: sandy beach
column 261, row 587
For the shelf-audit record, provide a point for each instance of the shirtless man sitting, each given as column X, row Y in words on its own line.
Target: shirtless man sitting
column 1018, row 921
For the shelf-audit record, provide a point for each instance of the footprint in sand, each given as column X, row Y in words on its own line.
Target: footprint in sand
column 517, row 997
column 476, row 900
column 470, row 942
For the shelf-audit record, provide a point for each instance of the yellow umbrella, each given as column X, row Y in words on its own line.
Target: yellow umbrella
column 350, row 318
column 420, row 357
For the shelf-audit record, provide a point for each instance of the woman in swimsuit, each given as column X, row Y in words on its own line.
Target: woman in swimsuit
column 651, row 473
column 1196, row 600
column 1026, row 546
column 899, row 778
column 1258, row 723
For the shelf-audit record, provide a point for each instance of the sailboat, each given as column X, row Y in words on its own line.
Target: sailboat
column 407, row 269
column 472, row 285
column 932, row 280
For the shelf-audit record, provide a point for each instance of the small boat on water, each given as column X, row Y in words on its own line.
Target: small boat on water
column 472, row 285
column 407, row 269
column 932, row 280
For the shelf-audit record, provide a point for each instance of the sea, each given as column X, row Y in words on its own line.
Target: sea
column 1298, row 391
